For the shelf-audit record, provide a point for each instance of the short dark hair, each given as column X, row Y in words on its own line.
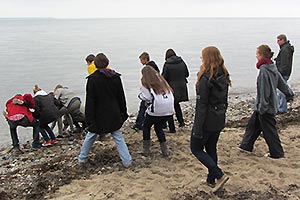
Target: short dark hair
column 282, row 37
column 90, row 58
column 101, row 61
column 144, row 55
column 169, row 53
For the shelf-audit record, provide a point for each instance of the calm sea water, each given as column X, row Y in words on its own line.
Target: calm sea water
column 48, row 52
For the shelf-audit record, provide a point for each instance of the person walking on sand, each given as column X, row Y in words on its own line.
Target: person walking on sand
column 105, row 110
column 284, row 62
column 18, row 114
column 263, row 118
column 211, row 105
column 157, row 93
column 176, row 73
column 145, row 60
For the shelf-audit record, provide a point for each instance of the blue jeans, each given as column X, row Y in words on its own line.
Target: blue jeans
column 282, row 104
column 208, row 157
column 120, row 144
column 45, row 131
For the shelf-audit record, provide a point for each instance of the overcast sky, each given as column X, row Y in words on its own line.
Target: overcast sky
column 149, row 8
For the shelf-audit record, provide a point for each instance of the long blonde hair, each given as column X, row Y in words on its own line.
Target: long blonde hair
column 152, row 79
column 211, row 59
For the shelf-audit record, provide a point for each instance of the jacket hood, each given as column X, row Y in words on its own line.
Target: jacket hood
column 109, row 73
column 174, row 60
column 219, row 80
column 288, row 45
column 41, row 93
column 270, row 68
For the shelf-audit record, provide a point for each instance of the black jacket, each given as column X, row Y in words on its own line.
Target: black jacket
column 105, row 108
column 284, row 59
column 175, row 72
column 153, row 65
column 211, row 104
column 46, row 108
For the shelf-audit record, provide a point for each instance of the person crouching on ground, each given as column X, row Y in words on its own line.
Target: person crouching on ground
column 211, row 105
column 158, row 94
column 263, row 118
column 46, row 111
column 105, row 109
column 18, row 114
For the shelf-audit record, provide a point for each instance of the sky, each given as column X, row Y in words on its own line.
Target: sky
column 148, row 8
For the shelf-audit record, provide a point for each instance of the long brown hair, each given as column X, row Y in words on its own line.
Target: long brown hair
column 211, row 59
column 265, row 51
column 152, row 79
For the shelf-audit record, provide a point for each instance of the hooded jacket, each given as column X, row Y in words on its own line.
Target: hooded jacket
column 284, row 59
column 268, row 80
column 46, row 109
column 13, row 109
column 211, row 104
column 105, row 108
column 175, row 72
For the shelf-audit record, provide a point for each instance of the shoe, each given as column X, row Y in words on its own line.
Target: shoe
column 136, row 128
column 212, row 185
column 220, row 183
column 182, row 124
column 36, row 146
column 55, row 141
column 244, row 151
column 47, row 143
column 171, row 131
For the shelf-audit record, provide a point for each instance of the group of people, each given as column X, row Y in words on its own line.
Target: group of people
column 41, row 109
column 161, row 94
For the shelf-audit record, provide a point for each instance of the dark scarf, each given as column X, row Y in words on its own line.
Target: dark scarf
column 108, row 72
column 263, row 61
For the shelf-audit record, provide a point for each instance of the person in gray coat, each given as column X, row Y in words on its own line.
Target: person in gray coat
column 284, row 62
column 175, row 72
column 263, row 118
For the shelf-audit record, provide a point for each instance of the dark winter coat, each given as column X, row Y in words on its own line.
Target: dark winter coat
column 284, row 59
column 105, row 108
column 211, row 104
column 175, row 72
column 46, row 109
column 153, row 65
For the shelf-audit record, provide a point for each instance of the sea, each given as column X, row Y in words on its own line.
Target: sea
column 48, row 51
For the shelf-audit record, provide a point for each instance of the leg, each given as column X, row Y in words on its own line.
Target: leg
column 252, row 132
column 211, row 150
column 122, row 147
column 13, row 133
column 148, row 122
column 158, row 128
column 178, row 113
column 268, row 124
column 50, row 132
column 141, row 116
column 197, row 147
column 171, row 124
column 282, row 104
column 86, row 147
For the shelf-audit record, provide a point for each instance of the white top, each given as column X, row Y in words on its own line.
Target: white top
column 159, row 104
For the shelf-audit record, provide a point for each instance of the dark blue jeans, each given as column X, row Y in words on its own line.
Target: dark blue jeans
column 44, row 129
column 209, row 157
column 25, row 123
column 141, row 115
column 159, row 122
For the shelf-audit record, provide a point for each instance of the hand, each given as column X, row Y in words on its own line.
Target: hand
column 17, row 101
column 5, row 114
column 290, row 102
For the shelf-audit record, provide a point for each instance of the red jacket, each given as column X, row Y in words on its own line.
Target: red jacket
column 13, row 109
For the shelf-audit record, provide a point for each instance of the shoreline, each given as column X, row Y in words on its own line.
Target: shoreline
column 51, row 172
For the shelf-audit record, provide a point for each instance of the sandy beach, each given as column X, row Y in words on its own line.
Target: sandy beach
column 52, row 173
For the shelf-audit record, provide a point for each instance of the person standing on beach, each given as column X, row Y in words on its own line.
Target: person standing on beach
column 263, row 118
column 284, row 62
column 145, row 60
column 18, row 114
column 105, row 110
column 211, row 105
column 176, row 72
column 157, row 93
